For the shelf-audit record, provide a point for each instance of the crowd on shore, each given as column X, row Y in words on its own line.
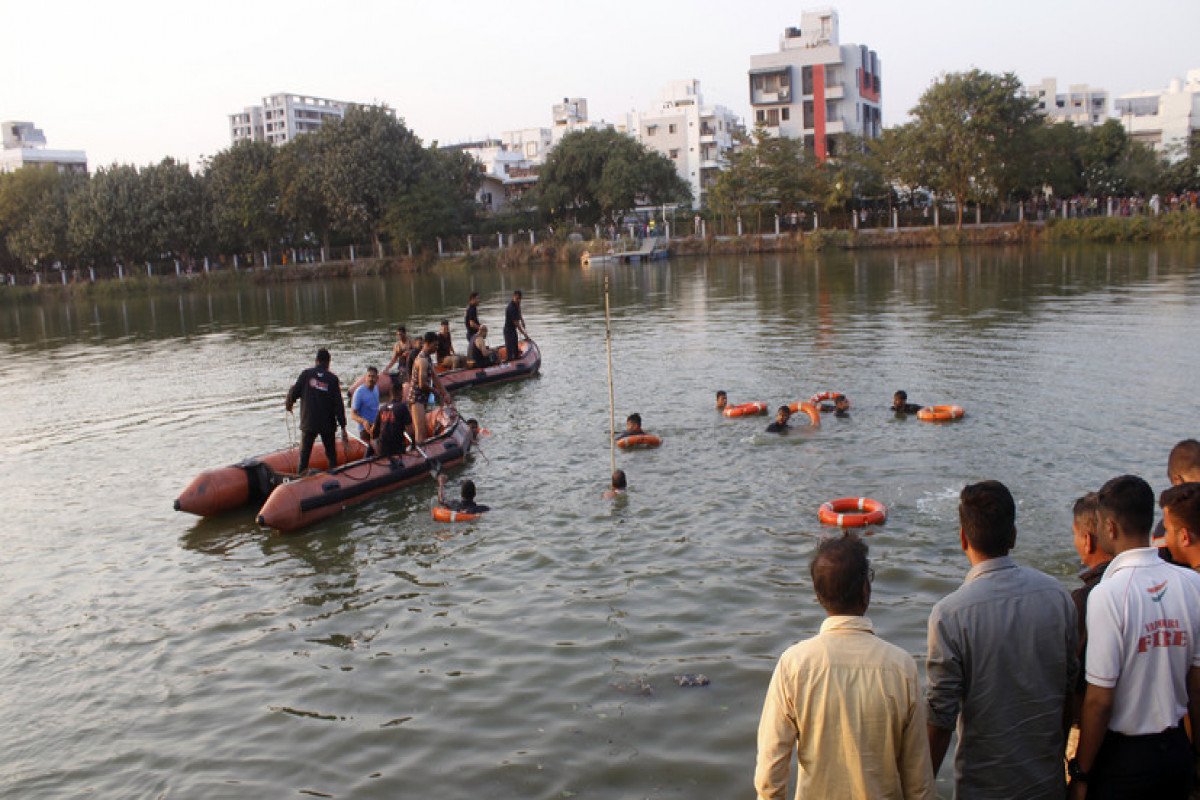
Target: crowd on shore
column 1089, row 694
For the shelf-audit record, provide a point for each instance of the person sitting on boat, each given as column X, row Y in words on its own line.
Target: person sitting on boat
column 467, row 504
column 423, row 385
column 393, row 428
column 780, row 425
column 722, row 400
column 901, row 405
column 619, row 485
column 321, row 408
column 633, row 427
column 479, row 354
column 364, row 406
column 840, row 407
column 446, row 357
column 400, row 355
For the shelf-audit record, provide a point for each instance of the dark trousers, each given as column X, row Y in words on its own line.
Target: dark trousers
column 511, row 351
column 1158, row 765
column 308, row 438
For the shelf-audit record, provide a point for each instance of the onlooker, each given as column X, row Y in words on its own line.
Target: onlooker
column 1183, row 466
column 1181, row 517
column 1143, row 660
column 1002, row 662
column 1095, row 561
column 846, row 701
column 321, row 408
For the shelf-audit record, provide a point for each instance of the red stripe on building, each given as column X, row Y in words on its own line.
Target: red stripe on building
column 819, row 110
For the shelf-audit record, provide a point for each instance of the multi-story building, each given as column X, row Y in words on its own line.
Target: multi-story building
column 506, row 172
column 282, row 117
column 1166, row 119
column 696, row 138
column 815, row 88
column 25, row 145
column 1082, row 104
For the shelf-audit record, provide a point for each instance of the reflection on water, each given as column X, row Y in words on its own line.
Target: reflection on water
column 533, row 653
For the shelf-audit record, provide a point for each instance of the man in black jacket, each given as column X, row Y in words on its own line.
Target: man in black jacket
column 321, row 408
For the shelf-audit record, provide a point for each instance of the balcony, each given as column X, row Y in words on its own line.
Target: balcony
column 835, row 92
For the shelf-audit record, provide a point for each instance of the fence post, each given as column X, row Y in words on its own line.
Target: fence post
column 120, row 272
column 776, row 224
column 816, row 221
column 409, row 247
column 63, row 273
column 235, row 261
column 1021, row 212
column 937, row 223
column 895, row 219
column 149, row 273
column 1110, row 206
column 439, row 246
column 703, row 229
column 667, row 230
column 92, row 274
column 739, row 224
column 468, row 243
column 531, row 242
column 37, row 278
column 351, row 254
column 177, row 268
column 978, row 214
column 854, row 219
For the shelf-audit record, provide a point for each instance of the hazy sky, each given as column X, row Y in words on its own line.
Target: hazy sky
column 134, row 81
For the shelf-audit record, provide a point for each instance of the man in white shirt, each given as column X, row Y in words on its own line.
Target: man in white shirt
column 846, row 701
column 1143, row 661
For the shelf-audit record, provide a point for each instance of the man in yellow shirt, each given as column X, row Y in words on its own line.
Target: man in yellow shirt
column 846, row 701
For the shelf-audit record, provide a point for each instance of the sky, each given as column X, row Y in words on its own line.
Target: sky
column 132, row 81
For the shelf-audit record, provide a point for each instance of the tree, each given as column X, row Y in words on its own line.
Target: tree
column 370, row 158
column 599, row 174
column 175, row 205
column 299, row 168
column 245, row 196
column 441, row 202
column 970, row 138
column 33, row 214
column 1059, row 152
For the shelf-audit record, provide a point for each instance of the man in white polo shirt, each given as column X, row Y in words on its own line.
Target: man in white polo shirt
column 1143, row 661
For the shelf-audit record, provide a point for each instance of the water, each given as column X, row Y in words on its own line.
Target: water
column 145, row 653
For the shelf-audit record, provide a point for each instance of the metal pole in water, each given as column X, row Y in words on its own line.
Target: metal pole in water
column 612, row 414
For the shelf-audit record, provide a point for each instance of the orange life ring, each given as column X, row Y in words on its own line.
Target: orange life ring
column 828, row 394
column 443, row 514
column 834, row 512
column 940, row 413
column 639, row 440
column 746, row 409
column 814, row 415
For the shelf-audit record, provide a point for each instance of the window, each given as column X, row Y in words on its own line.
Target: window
column 671, row 128
column 785, row 114
column 806, row 80
column 809, row 114
column 773, row 117
column 760, row 116
column 674, row 154
column 651, row 130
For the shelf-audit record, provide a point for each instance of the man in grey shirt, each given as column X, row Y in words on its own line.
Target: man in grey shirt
column 1002, row 663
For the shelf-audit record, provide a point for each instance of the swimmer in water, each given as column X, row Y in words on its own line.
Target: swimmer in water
column 901, row 405
column 780, row 425
column 722, row 400
column 618, row 487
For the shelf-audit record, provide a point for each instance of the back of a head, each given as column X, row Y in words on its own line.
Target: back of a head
column 988, row 517
column 468, row 491
column 618, row 479
column 473, row 296
column 1084, row 512
column 1128, row 501
column 323, row 357
column 430, row 337
column 839, row 571
column 1183, row 465
column 1183, row 501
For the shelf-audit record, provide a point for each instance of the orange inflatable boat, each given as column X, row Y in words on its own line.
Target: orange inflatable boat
column 253, row 480
column 307, row 500
column 456, row 379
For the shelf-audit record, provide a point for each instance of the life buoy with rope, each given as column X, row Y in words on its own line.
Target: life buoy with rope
column 443, row 514
column 940, row 413
column 814, row 415
column 872, row 512
column 829, row 394
column 638, row 440
column 745, row 409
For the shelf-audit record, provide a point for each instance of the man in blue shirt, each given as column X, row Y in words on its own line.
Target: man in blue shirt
column 364, row 406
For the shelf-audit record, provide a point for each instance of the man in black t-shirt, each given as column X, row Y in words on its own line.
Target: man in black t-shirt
column 321, row 408
column 467, row 505
column 513, row 322
column 393, row 428
column 901, row 405
column 471, row 318
column 780, row 425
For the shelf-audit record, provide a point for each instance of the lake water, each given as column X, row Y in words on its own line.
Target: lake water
column 146, row 653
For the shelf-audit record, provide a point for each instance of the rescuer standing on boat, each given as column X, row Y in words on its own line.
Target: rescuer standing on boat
column 513, row 322
column 321, row 408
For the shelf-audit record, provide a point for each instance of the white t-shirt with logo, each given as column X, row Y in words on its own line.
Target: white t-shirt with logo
column 1143, row 622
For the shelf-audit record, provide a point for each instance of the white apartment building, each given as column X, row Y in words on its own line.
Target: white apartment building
column 507, row 173
column 1165, row 119
column 696, row 138
column 1081, row 104
column 24, row 145
column 282, row 117
column 815, row 88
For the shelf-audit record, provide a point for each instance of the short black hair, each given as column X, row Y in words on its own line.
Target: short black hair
column 322, row 356
column 721, row 393
column 401, row 329
column 635, row 418
column 473, row 295
column 839, row 570
column 1084, row 509
column 468, row 490
column 397, row 390
column 373, row 369
column 431, row 337
column 783, row 409
column 839, row 398
column 1184, row 459
column 903, row 395
column 1184, row 502
column 446, row 322
column 618, row 479
column 517, row 294
column 988, row 517
column 1129, row 502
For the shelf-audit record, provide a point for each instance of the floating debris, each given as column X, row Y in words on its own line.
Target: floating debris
column 692, row 680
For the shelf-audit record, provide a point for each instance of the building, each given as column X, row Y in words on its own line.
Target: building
column 282, row 117
column 24, row 146
column 815, row 88
column 695, row 137
column 1165, row 120
column 507, row 173
column 1082, row 104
